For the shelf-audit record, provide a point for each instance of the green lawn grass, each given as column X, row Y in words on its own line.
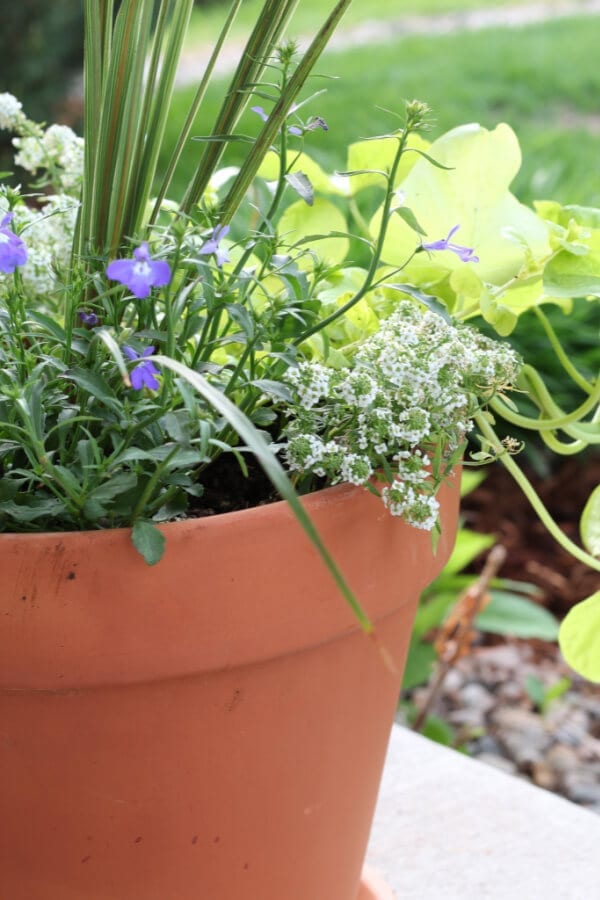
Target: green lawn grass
column 541, row 79
column 206, row 20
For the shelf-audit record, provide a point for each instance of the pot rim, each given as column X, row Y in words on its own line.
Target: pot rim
column 311, row 499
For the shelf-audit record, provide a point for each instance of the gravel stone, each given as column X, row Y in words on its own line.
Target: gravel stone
column 486, row 744
column 499, row 762
column 485, row 700
column 544, row 775
column 581, row 789
column 522, row 733
column 453, row 681
column 476, row 696
column 562, row 759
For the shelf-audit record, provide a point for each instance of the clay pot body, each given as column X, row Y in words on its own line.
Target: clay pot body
column 210, row 728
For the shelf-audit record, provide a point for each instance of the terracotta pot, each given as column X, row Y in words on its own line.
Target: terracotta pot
column 211, row 728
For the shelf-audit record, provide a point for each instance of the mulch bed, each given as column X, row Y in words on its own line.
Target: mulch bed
column 499, row 507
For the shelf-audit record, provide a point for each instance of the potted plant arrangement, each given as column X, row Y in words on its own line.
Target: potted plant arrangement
column 189, row 707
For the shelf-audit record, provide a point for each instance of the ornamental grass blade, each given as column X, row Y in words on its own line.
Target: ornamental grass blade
column 170, row 32
column 129, row 77
column 193, row 111
column 267, row 136
column 255, row 57
column 272, row 468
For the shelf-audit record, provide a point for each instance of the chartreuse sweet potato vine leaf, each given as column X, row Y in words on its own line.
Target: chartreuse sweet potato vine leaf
column 378, row 155
column 571, row 274
column 315, row 222
column 321, row 182
column 590, row 523
column 508, row 238
column 579, row 638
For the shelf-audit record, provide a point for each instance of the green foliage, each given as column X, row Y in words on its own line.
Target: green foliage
column 579, row 637
column 512, row 614
column 590, row 523
column 41, row 46
column 541, row 696
column 510, row 611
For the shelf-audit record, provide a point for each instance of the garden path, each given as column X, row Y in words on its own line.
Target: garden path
column 379, row 31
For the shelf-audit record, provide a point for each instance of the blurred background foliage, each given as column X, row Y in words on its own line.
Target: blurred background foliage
column 41, row 49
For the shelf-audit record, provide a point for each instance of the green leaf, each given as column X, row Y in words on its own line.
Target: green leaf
column 579, row 638
column 589, row 526
column 432, row 611
column 34, row 510
column 274, row 388
column 419, row 664
column 556, row 690
column 432, row 303
column 438, row 730
column 301, row 184
column 224, row 139
column 536, row 690
column 115, row 485
column 148, row 541
column 94, row 384
column 470, row 480
column 378, row 154
column 474, row 195
column 511, row 614
column 569, row 275
column 48, row 322
column 299, row 222
column 468, row 545
column 115, row 352
column 302, row 164
column 409, row 217
column 501, row 317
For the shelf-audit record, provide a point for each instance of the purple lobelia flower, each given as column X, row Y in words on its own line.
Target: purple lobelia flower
column 293, row 129
column 317, row 122
column 141, row 273
column 467, row 254
column 144, row 374
column 212, row 245
column 260, row 112
column 13, row 251
column 90, row 319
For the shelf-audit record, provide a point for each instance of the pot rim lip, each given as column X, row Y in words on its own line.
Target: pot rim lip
column 337, row 493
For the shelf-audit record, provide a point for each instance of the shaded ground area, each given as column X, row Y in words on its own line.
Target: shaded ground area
column 499, row 507
column 487, row 697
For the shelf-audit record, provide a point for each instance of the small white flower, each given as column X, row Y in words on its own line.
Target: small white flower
column 11, row 114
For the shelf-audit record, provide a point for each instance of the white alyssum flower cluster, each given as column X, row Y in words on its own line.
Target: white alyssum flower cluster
column 11, row 113
column 48, row 233
column 47, row 228
column 403, row 406
column 57, row 149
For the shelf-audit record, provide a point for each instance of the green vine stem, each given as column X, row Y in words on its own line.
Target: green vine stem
column 521, row 479
column 564, row 360
column 377, row 251
column 568, row 422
